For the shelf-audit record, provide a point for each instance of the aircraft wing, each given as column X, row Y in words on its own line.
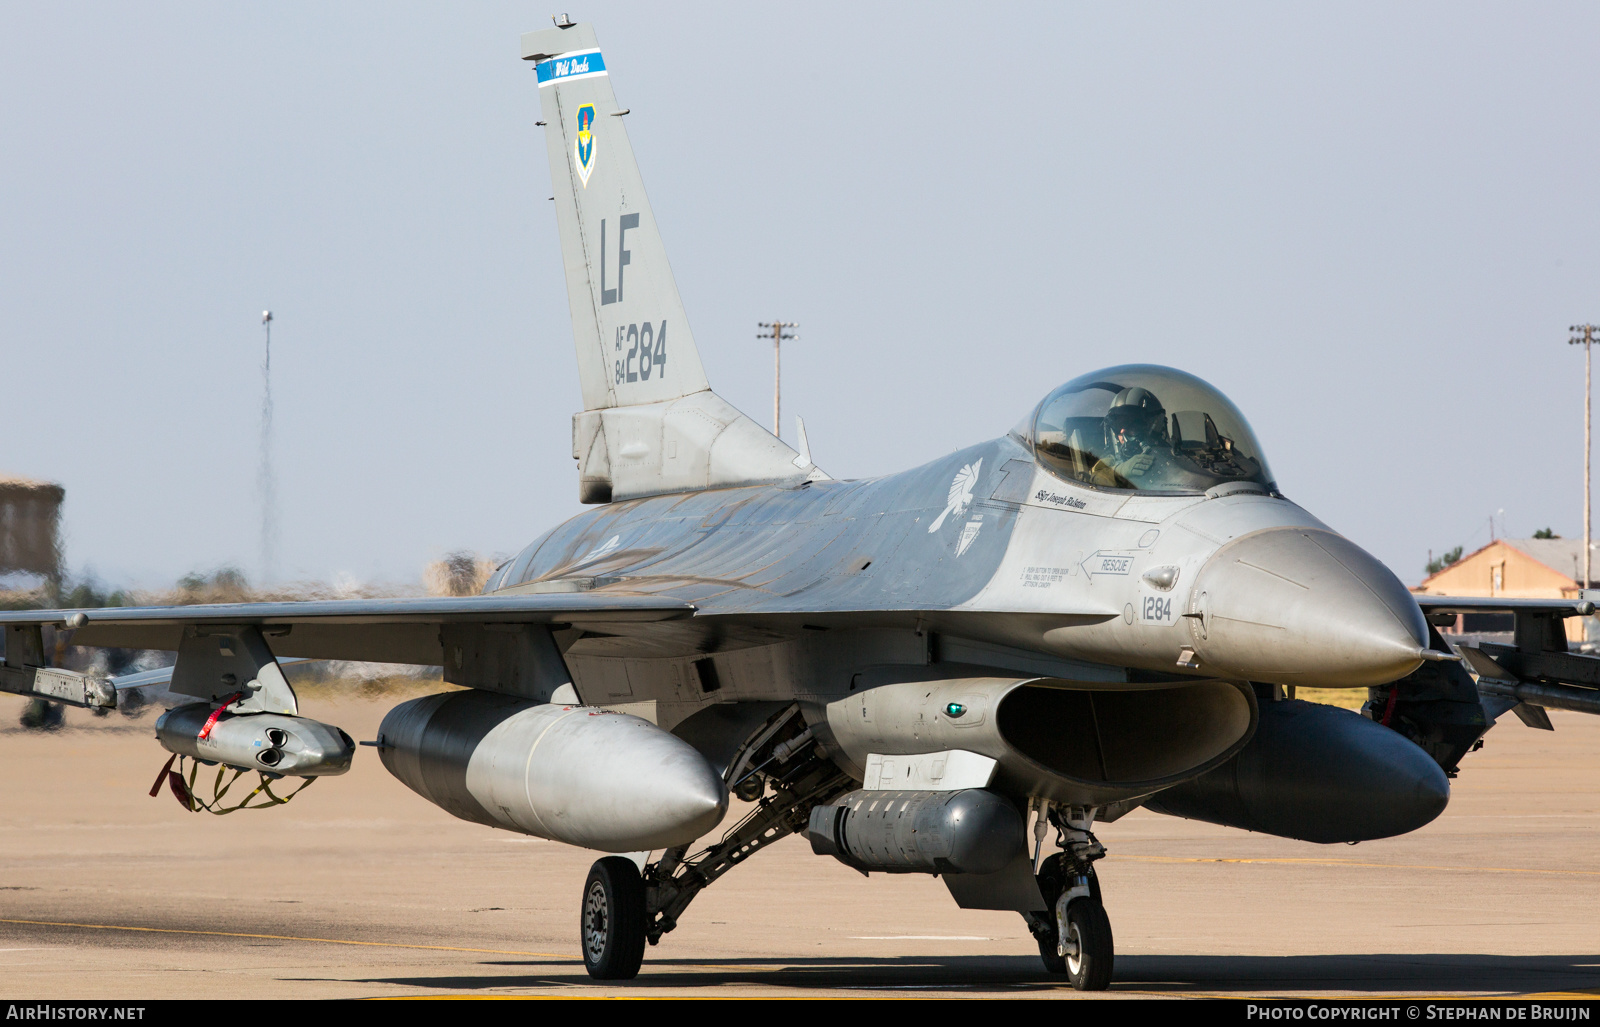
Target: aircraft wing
column 374, row 630
column 1577, row 606
column 1539, row 670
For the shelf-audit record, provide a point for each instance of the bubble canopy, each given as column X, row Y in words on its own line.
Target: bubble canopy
column 1145, row 427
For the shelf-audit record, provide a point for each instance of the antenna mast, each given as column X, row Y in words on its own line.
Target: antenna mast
column 265, row 482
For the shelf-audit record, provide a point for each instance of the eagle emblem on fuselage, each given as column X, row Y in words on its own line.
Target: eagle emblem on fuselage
column 960, row 496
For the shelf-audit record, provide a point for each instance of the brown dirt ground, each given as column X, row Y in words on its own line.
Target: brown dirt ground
column 361, row 888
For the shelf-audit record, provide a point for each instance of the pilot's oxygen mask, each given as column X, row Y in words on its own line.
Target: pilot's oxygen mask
column 1145, row 427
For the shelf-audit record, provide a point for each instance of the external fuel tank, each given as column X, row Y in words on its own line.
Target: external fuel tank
column 1317, row 773
column 575, row 774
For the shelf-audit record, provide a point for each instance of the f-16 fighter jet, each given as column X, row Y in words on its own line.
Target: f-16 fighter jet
column 960, row 670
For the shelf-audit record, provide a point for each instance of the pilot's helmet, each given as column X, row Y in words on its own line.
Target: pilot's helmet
column 1135, row 414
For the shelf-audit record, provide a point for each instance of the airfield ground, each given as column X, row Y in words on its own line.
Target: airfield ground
column 361, row 888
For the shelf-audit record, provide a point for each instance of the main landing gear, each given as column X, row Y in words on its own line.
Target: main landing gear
column 613, row 922
column 778, row 765
column 1074, row 935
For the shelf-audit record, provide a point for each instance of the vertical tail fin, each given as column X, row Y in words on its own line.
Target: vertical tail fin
column 650, row 424
column 634, row 344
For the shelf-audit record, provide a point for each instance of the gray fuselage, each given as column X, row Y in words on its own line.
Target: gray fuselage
column 986, row 545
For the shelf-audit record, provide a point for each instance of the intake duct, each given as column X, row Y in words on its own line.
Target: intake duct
column 1076, row 742
column 1131, row 737
column 972, row 831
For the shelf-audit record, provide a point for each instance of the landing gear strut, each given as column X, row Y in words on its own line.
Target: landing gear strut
column 792, row 773
column 1074, row 936
column 622, row 910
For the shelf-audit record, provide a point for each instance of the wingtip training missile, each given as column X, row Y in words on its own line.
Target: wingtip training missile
column 274, row 743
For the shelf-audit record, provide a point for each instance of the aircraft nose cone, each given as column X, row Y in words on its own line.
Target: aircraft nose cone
column 1301, row 606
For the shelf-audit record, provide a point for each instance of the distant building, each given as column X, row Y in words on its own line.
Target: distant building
column 30, row 538
column 1516, row 568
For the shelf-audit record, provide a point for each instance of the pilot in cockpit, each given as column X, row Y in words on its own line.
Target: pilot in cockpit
column 1109, row 430
column 1135, row 437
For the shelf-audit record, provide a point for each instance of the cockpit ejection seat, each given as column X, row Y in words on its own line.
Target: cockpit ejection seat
column 1076, row 450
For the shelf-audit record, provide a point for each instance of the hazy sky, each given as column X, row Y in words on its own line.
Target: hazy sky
column 1370, row 225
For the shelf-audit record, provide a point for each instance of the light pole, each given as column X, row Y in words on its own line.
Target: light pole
column 264, row 477
column 778, row 332
column 1586, row 340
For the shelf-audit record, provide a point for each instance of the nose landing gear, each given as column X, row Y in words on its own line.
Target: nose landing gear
column 1084, row 944
column 1075, row 935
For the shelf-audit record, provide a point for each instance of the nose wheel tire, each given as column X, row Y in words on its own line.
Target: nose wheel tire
column 1086, row 939
column 1053, row 963
column 612, row 925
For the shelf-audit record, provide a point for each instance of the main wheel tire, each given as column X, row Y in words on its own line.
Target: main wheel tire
column 612, row 924
column 1089, row 947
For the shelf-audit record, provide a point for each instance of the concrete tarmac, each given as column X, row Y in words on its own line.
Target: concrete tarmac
column 361, row 888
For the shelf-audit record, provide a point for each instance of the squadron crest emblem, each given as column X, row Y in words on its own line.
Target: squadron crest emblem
column 583, row 146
